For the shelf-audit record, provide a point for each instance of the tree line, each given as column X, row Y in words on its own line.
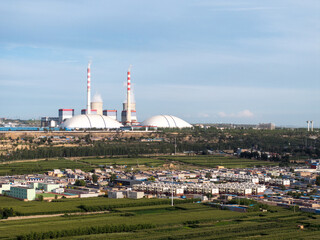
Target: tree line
column 84, row 231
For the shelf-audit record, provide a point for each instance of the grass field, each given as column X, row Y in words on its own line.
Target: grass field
column 45, row 195
column 214, row 161
column 184, row 221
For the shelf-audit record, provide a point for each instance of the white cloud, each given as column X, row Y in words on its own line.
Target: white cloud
column 222, row 114
column 245, row 114
column 242, row 114
column 203, row 115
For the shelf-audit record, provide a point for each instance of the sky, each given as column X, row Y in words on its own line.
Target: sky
column 205, row 61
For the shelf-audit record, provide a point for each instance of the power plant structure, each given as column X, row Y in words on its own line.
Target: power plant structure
column 129, row 114
column 110, row 113
column 88, row 89
column 94, row 117
column 308, row 125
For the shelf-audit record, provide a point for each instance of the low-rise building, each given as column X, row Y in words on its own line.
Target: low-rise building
column 135, row 195
column 115, row 194
column 23, row 193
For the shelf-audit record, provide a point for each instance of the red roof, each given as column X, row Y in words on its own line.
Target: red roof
column 109, row 110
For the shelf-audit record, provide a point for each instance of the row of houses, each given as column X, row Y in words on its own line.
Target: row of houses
column 180, row 189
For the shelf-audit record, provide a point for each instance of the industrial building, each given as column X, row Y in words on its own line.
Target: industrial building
column 94, row 117
column 65, row 114
column 166, row 121
column 50, row 122
column 267, row 126
column 110, row 113
column 84, row 111
column 88, row 121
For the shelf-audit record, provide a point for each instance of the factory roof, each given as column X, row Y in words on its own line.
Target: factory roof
column 90, row 121
column 166, row 121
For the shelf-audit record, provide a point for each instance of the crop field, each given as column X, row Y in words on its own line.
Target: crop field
column 69, row 205
column 214, row 161
column 40, row 166
column 149, row 162
column 87, row 164
column 183, row 221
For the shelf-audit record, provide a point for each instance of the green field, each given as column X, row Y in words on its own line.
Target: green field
column 41, row 166
column 183, row 221
column 67, row 205
column 149, row 162
column 87, row 164
column 214, row 161
column 45, row 195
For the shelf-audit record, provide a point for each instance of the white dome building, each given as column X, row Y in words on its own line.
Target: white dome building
column 90, row 121
column 166, row 121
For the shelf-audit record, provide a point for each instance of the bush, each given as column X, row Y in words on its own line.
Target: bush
column 7, row 212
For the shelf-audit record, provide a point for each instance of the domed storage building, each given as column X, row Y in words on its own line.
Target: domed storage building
column 166, row 121
column 90, row 121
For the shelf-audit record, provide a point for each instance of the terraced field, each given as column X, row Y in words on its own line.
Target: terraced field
column 214, row 161
column 41, row 166
column 159, row 221
column 87, row 164
column 149, row 162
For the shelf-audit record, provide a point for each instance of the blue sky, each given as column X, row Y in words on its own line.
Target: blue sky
column 202, row 60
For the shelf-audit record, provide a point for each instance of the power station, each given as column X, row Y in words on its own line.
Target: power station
column 94, row 117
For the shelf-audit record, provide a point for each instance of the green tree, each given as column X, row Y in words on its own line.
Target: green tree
column 152, row 178
column 80, row 183
column 208, row 175
column 113, row 177
column 94, row 178
column 318, row 181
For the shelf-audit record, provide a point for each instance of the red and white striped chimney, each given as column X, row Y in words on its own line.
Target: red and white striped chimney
column 88, row 89
column 128, row 97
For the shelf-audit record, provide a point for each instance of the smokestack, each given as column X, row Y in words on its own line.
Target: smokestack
column 88, row 89
column 128, row 97
column 311, row 126
column 308, row 123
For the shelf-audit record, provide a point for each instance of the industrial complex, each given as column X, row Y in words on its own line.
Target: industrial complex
column 95, row 117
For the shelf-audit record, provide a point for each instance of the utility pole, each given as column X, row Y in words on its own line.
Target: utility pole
column 175, row 146
column 172, row 190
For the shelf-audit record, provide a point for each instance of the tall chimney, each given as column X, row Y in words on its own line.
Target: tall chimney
column 311, row 126
column 308, row 123
column 128, row 97
column 88, row 90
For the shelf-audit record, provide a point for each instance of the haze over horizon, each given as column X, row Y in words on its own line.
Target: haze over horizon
column 203, row 61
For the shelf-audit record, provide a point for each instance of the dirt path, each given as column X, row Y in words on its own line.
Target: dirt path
column 50, row 215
